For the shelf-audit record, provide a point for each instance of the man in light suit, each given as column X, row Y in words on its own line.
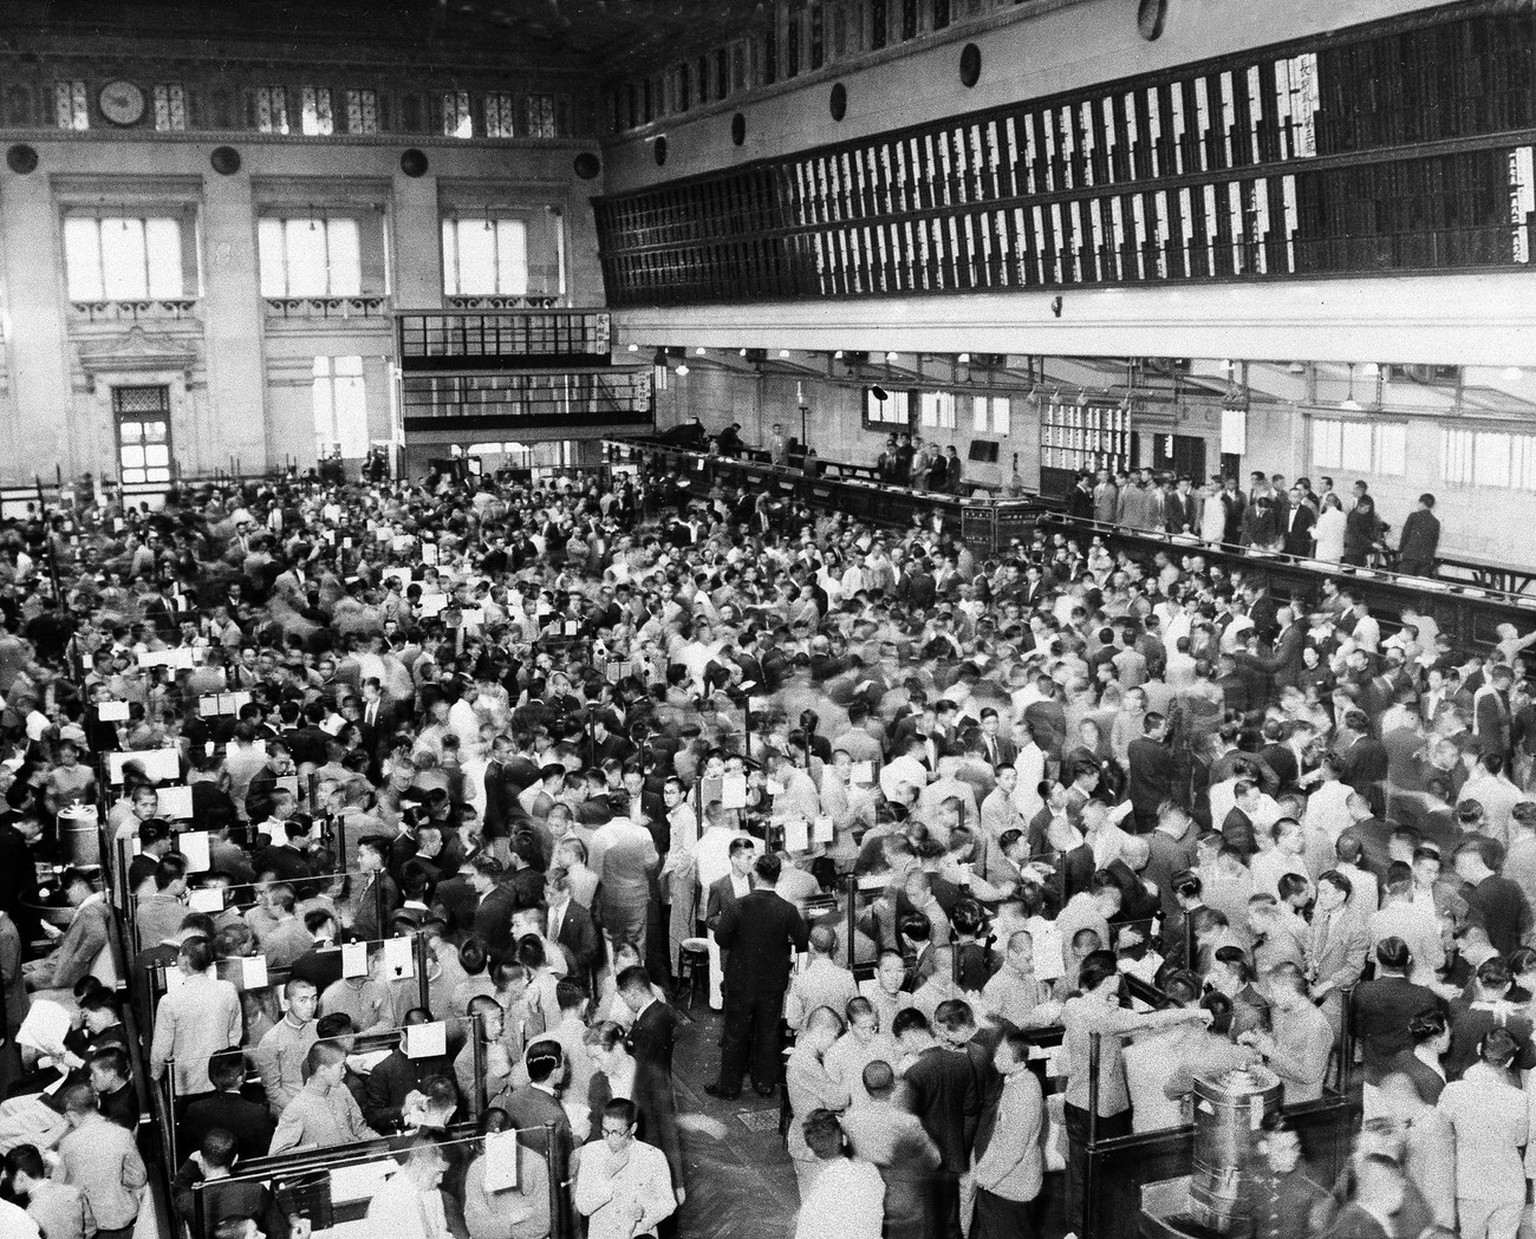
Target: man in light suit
column 1336, row 952
column 89, row 947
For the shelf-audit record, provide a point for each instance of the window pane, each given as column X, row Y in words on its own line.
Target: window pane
column 511, row 256
column 1392, row 449
column 131, row 432
column 82, row 258
column 269, row 241
column 157, row 456
column 346, row 274
column 163, row 241
column 133, row 456
column 347, row 365
column 306, row 257
column 1002, row 415
column 476, row 244
column 122, row 258
column 351, row 409
column 450, row 257
column 1491, row 459
column 155, row 432
column 1356, row 444
column 980, row 410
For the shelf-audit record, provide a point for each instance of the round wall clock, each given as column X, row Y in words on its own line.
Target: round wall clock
column 122, row 103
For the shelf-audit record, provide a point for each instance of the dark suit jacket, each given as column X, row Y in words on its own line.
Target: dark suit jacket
column 1381, row 1010
column 1298, row 534
column 579, row 940
column 459, row 901
column 759, row 932
column 1237, row 830
column 720, row 896
column 387, row 1087
column 249, row 1122
column 1420, row 540
column 1153, row 773
column 321, row 967
column 650, row 1040
column 945, row 1096
column 493, row 920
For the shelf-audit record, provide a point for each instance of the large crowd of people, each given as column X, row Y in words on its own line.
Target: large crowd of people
column 574, row 737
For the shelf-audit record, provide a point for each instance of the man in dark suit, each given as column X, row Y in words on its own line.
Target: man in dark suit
column 943, row 1092
column 494, row 905
column 250, row 1122
column 999, row 749
column 1381, row 1009
column 1421, row 539
column 1153, row 771
column 650, row 1044
column 571, row 927
column 1181, row 508
column 396, row 1078
column 758, row 932
column 1299, row 522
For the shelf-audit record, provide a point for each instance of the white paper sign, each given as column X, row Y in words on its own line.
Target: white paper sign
column 354, row 959
column 159, row 765
column 253, row 972
column 193, row 844
column 427, row 1040
column 733, row 791
column 210, row 900
column 822, row 830
column 501, row 1161
column 112, row 711
column 863, row 772
column 176, row 804
column 797, row 835
column 399, row 961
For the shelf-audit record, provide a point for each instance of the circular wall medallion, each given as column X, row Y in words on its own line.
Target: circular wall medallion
column 661, row 150
column 587, row 165
column 970, row 65
column 122, row 103
column 837, row 104
column 738, row 129
column 21, row 158
column 1151, row 17
column 413, row 162
column 225, row 160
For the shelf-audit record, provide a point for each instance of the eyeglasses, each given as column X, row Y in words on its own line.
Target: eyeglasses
column 619, row 1132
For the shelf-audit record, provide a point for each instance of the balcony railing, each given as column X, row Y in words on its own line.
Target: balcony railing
column 327, row 307
column 133, row 311
column 524, row 301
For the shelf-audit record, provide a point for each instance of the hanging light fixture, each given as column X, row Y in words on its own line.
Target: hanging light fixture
column 1349, row 403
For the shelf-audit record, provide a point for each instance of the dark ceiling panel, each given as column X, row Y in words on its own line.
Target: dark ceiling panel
column 608, row 35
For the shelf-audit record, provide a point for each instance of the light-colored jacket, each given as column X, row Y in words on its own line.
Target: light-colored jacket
column 1013, row 1163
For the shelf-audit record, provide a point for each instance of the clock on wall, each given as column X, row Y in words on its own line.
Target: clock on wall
column 122, row 103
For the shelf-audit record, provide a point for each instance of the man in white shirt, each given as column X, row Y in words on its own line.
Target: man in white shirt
column 410, row 1204
column 623, row 1186
column 847, row 1197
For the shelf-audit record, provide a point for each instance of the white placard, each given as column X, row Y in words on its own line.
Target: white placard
column 733, row 791
column 474, row 617
column 210, row 900
column 427, row 1040
column 193, row 844
column 399, row 960
column 253, row 972
column 354, row 959
column 863, row 772
column 797, row 836
column 821, row 831
column 353, row 1183
column 112, row 711
column 176, row 803
column 159, row 765
column 501, row 1161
